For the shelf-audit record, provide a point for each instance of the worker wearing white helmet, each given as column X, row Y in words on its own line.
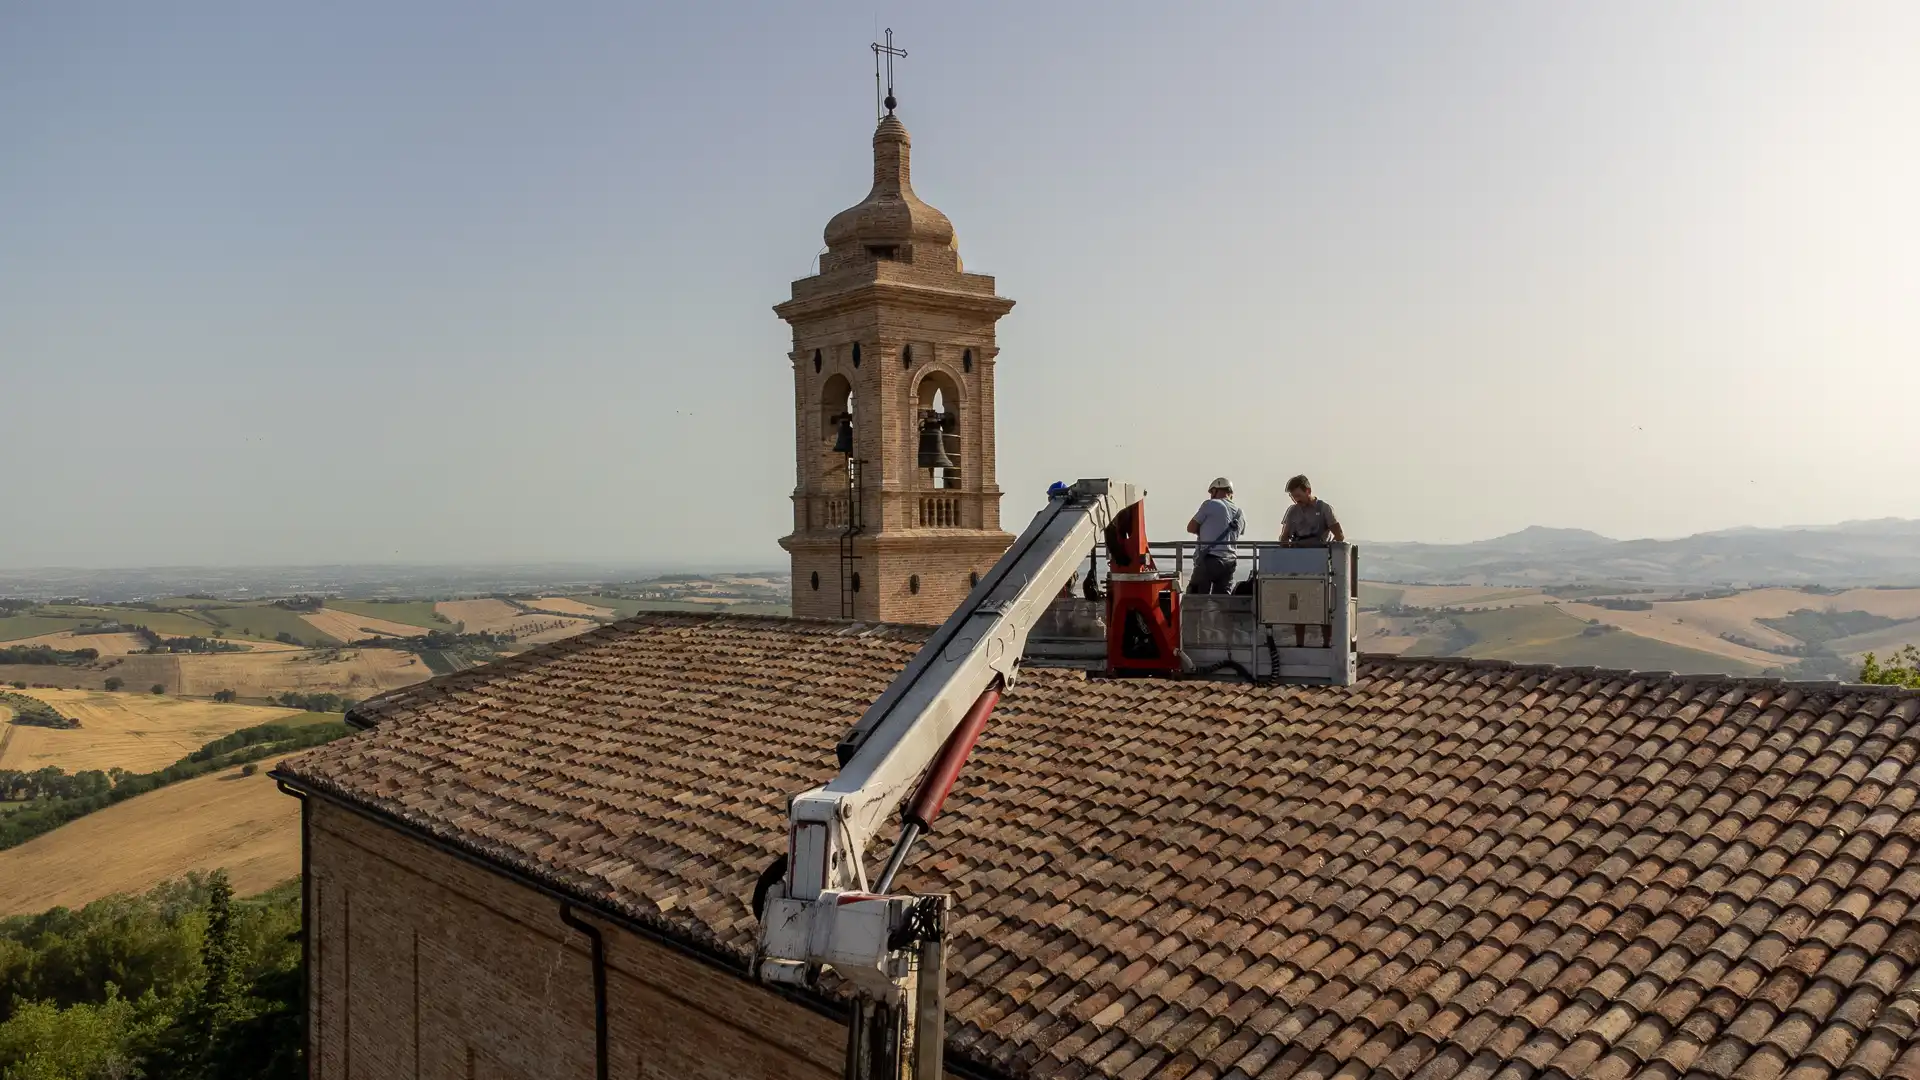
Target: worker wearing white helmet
column 1218, row 523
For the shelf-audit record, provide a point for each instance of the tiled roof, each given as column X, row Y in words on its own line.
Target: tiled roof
column 1450, row 869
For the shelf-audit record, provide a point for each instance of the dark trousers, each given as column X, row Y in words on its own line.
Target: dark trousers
column 1211, row 574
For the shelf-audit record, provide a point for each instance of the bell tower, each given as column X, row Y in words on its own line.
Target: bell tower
column 896, row 511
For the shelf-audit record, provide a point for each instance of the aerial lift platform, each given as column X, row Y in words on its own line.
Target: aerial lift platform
column 1293, row 622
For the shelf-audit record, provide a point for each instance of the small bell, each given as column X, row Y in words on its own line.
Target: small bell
column 933, row 448
column 843, row 439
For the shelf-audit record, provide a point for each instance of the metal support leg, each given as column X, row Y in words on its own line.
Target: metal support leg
column 873, row 1040
column 930, row 1002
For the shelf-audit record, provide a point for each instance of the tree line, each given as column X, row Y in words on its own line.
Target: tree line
column 185, row 982
column 19, row 785
column 190, row 644
column 31, row 710
column 46, row 655
column 438, row 639
column 321, row 702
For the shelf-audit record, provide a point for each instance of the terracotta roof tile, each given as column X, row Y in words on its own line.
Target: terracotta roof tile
column 1450, row 870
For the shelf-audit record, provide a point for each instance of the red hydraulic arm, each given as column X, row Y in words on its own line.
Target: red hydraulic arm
column 938, row 783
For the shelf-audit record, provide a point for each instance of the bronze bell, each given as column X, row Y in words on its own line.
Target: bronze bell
column 933, row 447
column 843, row 439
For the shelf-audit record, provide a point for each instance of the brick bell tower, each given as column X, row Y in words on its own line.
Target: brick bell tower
column 896, row 511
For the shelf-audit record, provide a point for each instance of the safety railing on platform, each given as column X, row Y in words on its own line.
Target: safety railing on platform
column 1176, row 557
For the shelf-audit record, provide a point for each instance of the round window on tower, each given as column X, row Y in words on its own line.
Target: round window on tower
column 856, row 354
column 856, row 581
column 966, row 360
column 816, row 361
column 814, row 580
column 913, row 584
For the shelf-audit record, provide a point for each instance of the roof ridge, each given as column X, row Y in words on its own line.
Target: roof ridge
column 1758, row 682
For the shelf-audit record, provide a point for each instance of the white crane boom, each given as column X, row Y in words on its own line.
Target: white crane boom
column 911, row 742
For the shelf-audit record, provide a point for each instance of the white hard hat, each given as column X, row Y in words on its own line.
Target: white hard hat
column 1220, row 482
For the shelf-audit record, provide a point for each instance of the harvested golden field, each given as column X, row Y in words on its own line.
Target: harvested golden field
column 104, row 644
column 500, row 617
column 1385, row 634
column 1891, row 603
column 346, row 626
column 562, row 605
column 265, row 646
column 136, row 732
column 135, row 672
column 1882, row 642
column 358, row 673
column 242, row 824
column 1678, row 623
column 480, row 616
column 1740, row 614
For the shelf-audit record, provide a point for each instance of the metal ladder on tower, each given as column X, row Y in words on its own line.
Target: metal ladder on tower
column 849, row 569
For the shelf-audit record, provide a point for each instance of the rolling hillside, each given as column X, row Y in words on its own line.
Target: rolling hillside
column 1853, row 553
column 222, row 820
column 1806, row 632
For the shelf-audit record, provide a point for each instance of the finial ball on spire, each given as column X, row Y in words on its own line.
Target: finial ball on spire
column 891, row 102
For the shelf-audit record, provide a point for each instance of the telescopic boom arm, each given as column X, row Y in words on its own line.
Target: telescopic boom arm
column 903, row 756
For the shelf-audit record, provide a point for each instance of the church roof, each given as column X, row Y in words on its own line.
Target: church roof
column 1450, row 869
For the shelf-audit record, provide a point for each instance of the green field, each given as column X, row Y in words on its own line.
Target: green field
column 411, row 612
column 52, row 619
column 170, row 623
column 1546, row 635
column 15, row 627
column 439, row 662
column 267, row 623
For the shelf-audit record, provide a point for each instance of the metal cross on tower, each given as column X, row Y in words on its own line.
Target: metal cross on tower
column 889, row 52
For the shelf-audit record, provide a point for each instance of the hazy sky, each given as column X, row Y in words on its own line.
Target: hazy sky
column 437, row 281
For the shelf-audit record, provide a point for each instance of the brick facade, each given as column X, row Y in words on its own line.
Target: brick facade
column 892, row 318
column 424, row 965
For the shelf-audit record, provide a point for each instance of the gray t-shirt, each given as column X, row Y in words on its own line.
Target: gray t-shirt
column 1220, row 525
column 1309, row 523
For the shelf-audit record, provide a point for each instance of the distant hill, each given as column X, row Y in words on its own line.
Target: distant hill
column 1881, row 552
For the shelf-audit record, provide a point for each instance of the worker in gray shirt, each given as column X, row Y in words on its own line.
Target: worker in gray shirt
column 1218, row 523
column 1309, row 521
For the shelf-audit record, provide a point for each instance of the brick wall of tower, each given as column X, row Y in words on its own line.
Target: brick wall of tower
column 920, row 323
column 426, row 966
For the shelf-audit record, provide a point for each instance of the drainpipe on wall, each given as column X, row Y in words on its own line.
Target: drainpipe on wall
column 599, row 987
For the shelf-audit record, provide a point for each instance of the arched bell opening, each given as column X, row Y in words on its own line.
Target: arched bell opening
column 835, row 459
column 937, row 447
column 836, row 414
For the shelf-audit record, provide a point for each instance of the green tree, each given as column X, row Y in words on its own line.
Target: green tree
column 159, row 688
column 186, row 1049
column 224, row 695
column 1901, row 669
column 83, row 1041
column 113, row 682
column 19, row 684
